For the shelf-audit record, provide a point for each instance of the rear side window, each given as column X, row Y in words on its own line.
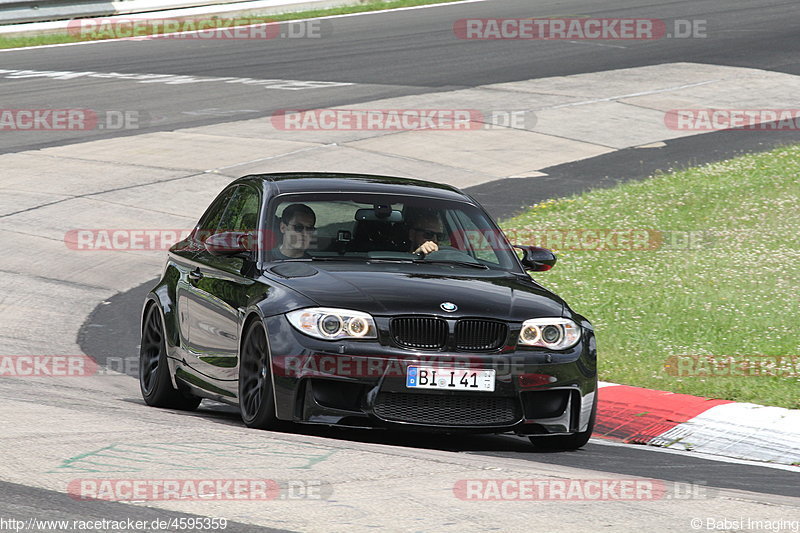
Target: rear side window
column 241, row 213
column 210, row 220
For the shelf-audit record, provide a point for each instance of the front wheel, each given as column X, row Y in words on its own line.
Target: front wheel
column 567, row 442
column 154, row 379
column 256, row 402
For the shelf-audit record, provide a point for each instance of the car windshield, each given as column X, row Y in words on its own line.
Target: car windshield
column 384, row 228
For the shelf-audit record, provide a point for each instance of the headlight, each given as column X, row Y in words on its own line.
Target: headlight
column 333, row 324
column 553, row 333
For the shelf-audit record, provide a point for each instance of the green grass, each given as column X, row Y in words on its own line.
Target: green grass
column 738, row 294
column 361, row 7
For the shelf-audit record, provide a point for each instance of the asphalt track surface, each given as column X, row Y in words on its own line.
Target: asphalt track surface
column 382, row 55
column 396, row 54
column 22, row 501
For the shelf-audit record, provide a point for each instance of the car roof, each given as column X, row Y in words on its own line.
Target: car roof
column 298, row 182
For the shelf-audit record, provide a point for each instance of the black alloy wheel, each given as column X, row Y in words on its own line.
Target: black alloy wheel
column 256, row 402
column 154, row 379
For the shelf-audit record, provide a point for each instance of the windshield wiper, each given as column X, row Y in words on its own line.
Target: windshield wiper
column 389, row 259
column 451, row 262
column 361, row 258
column 338, row 258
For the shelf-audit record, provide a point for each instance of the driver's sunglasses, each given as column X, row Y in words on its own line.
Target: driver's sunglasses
column 430, row 234
column 300, row 227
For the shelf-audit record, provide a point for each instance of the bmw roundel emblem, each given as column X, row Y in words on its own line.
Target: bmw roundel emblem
column 448, row 306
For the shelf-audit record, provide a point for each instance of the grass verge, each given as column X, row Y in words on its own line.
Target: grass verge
column 374, row 5
column 733, row 291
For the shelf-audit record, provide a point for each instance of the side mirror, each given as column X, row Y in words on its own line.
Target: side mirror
column 536, row 258
column 230, row 243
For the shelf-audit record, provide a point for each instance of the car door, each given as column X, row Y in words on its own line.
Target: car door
column 184, row 261
column 219, row 292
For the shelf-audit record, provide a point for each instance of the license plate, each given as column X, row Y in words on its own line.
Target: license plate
column 426, row 377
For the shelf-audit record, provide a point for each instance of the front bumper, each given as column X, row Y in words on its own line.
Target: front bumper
column 363, row 383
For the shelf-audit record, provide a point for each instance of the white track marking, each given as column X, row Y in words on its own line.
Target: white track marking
column 170, row 79
column 740, row 429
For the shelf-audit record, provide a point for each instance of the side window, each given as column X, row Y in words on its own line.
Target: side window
column 242, row 211
column 210, row 221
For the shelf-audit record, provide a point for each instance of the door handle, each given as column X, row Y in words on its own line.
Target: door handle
column 195, row 275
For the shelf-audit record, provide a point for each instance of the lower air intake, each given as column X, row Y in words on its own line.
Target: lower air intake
column 447, row 410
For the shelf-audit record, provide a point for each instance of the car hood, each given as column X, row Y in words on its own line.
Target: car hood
column 388, row 289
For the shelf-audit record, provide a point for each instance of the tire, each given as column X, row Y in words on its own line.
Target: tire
column 567, row 442
column 154, row 379
column 256, row 401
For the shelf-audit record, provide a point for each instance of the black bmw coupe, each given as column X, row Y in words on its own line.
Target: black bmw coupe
column 366, row 301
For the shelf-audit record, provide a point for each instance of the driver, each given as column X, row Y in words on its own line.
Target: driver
column 297, row 227
column 425, row 231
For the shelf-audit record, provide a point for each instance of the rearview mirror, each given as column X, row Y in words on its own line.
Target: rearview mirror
column 380, row 212
column 537, row 259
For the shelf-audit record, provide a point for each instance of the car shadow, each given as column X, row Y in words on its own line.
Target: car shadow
column 227, row 415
